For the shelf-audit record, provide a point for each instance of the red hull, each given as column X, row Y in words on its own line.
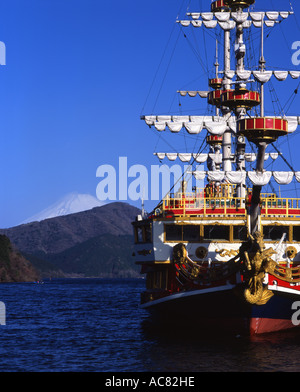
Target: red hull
column 220, row 310
column 267, row 325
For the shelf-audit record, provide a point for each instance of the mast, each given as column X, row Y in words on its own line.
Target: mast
column 262, row 145
column 226, row 145
column 240, row 51
column 217, row 70
column 262, row 64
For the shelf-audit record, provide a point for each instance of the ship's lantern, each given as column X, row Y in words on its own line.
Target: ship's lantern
column 262, row 129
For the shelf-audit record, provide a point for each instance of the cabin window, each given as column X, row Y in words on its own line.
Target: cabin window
column 240, row 233
column 147, row 233
column 191, row 233
column 173, row 232
column 216, row 232
column 143, row 234
column 296, row 233
column 275, row 233
column 138, row 231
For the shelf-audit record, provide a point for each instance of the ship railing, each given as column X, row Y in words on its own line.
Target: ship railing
column 222, row 203
column 287, row 207
column 196, row 204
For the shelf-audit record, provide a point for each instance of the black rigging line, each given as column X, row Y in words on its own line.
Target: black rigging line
column 161, row 60
column 158, row 68
column 165, row 75
column 287, row 163
column 292, row 98
column 183, row 174
column 197, row 55
column 280, row 154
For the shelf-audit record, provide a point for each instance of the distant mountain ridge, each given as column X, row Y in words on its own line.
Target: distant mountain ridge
column 68, row 244
column 55, row 235
column 69, row 204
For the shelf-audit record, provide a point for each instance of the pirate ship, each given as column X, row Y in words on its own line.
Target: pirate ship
column 226, row 256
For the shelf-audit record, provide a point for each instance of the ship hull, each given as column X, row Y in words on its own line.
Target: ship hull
column 223, row 310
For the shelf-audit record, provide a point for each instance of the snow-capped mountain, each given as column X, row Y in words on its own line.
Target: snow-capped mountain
column 69, row 204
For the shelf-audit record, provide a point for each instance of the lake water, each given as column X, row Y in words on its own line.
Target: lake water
column 95, row 325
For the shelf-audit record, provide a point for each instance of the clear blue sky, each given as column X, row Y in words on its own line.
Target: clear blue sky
column 77, row 77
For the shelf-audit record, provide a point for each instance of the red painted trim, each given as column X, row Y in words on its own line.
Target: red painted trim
column 266, row 325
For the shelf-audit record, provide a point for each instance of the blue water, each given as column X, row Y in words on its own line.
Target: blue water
column 95, row 325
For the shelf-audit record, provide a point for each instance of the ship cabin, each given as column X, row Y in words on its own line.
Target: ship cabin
column 212, row 222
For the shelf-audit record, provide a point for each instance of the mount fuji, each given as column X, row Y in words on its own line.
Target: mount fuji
column 70, row 204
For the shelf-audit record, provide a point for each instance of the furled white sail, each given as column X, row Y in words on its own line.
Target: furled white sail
column 202, row 94
column 280, row 75
column 283, row 178
column 217, row 176
column 229, row 74
column 262, row 76
column 235, row 177
column 216, row 127
column 274, row 155
column 239, row 17
column 185, row 157
column 258, row 178
column 197, row 23
column 150, row 120
column 272, row 15
column 284, row 14
column 185, row 23
column 160, row 125
column 228, row 25
column 222, row 16
column 269, row 23
column 193, row 127
column 195, row 15
column 294, row 74
column 211, row 24
column 244, row 75
column 193, row 124
column 207, row 16
column 247, row 24
column 257, row 16
column 171, row 156
column 160, row 155
column 202, row 157
column 174, row 126
column 293, row 123
column 228, row 20
column 199, row 175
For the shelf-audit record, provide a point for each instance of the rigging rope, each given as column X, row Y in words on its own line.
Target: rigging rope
column 292, row 98
column 163, row 55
